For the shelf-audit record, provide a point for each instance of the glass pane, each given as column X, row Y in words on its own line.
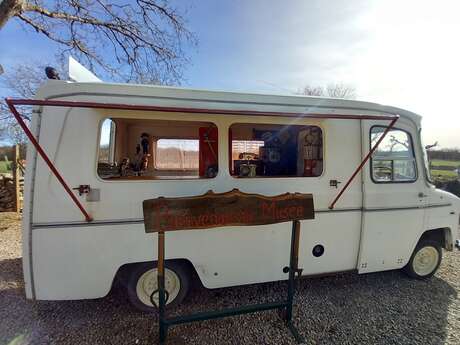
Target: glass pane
column 106, row 143
column 426, row 163
column 404, row 170
column 393, row 161
column 396, row 144
column 382, row 170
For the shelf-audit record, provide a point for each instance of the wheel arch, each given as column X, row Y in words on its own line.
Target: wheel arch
column 122, row 274
column 441, row 235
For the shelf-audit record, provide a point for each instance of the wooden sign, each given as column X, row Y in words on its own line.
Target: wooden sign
column 232, row 208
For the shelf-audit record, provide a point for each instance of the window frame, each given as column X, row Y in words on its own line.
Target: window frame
column 230, row 146
column 371, row 170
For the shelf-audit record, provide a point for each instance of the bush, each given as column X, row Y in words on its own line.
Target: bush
column 452, row 186
column 5, row 167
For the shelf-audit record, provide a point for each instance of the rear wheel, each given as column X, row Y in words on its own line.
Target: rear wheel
column 425, row 260
column 143, row 281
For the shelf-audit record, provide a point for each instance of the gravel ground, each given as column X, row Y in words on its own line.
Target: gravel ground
column 380, row 308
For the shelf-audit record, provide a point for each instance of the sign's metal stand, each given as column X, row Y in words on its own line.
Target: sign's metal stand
column 283, row 305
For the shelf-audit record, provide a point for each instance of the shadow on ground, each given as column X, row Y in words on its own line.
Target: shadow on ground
column 381, row 308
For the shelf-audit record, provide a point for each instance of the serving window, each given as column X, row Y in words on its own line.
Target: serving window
column 271, row 150
column 133, row 149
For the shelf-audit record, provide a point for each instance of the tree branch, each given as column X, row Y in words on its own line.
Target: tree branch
column 132, row 40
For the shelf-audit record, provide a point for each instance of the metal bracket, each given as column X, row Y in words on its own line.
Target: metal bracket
column 334, row 183
column 83, row 189
column 298, row 272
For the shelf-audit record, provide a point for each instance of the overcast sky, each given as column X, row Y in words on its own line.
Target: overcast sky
column 401, row 53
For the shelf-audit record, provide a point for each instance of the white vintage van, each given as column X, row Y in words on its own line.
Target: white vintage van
column 172, row 142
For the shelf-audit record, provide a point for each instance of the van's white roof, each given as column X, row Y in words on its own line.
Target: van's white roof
column 209, row 99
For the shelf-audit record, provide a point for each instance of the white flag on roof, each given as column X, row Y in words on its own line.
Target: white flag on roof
column 78, row 72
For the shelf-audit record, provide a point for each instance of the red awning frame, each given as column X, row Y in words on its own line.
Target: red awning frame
column 12, row 103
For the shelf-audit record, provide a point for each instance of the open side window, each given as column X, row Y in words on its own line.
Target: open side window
column 158, row 149
column 272, row 150
column 394, row 159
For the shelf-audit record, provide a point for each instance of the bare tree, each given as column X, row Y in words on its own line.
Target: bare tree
column 139, row 40
column 341, row 91
column 21, row 81
column 394, row 142
column 332, row 90
column 312, row 91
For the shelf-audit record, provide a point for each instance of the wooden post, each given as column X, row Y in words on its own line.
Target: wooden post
column 16, row 179
column 163, row 328
column 293, row 262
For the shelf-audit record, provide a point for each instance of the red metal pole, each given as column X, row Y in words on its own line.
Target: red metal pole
column 42, row 153
column 98, row 105
column 359, row 168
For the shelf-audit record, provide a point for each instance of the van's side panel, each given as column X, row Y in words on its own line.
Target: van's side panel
column 338, row 230
column 81, row 262
column 445, row 219
column 69, row 138
column 393, row 217
column 72, row 262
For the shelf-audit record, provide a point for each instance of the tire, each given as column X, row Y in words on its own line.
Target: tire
column 143, row 280
column 425, row 260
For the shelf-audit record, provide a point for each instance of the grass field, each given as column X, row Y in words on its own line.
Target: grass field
column 439, row 162
column 443, row 173
column 444, row 170
column 4, row 167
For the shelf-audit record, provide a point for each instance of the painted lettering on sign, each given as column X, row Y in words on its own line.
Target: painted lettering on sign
column 271, row 210
column 225, row 209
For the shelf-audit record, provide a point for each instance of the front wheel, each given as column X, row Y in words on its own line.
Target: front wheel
column 143, row 281
column 425, row 260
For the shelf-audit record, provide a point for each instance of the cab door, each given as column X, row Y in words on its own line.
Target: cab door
column 393, row 197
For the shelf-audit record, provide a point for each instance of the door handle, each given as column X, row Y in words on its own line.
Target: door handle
column 422, row 195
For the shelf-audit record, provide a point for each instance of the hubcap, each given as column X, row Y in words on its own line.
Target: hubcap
column 425, row 261
column 148, row 283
